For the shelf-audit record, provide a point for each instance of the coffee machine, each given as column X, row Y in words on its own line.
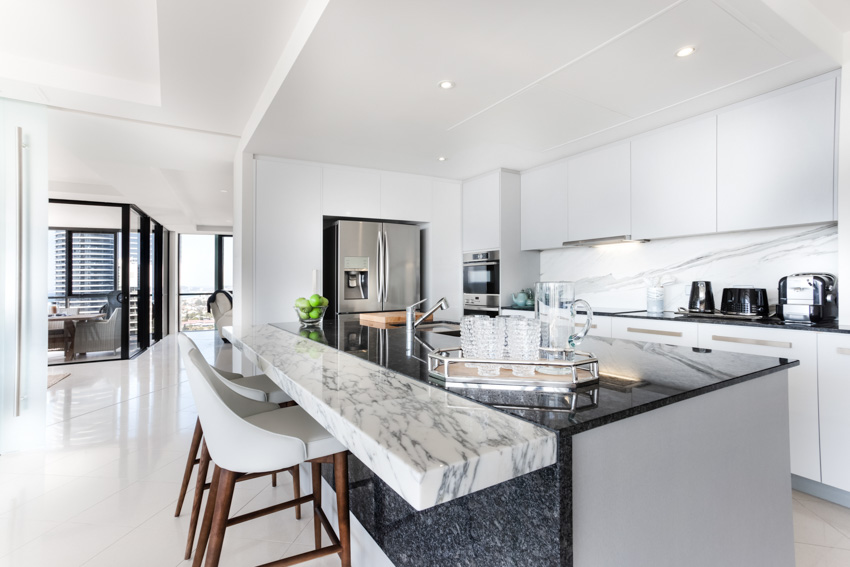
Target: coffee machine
column 808, row 299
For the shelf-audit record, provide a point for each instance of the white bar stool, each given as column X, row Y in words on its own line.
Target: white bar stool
column 260, row 444
column 243, row 406
column 260, row 388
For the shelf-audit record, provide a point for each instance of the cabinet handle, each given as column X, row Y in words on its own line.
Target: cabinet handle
column 757, row 342
column 582, row 325
column 654, row 332
column 843, row 350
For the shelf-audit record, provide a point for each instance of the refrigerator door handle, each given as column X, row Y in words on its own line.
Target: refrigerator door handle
column 386, row 266
column 19, row 201
column 380, row 277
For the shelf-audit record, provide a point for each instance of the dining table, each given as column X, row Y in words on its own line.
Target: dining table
column 70, row 328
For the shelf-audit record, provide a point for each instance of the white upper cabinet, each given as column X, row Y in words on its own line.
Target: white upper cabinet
column 481, row 213
column 350, row 193
column 544, row 207
column 775, row 160
column 598, row 194
column 405, row 197
column 674, row 181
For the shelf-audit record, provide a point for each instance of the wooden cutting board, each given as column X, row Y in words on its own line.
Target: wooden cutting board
column 388, row 318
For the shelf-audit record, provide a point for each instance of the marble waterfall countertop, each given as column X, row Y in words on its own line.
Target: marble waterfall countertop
column 427, row 444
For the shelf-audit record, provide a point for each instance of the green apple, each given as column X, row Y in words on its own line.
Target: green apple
column 315, row 300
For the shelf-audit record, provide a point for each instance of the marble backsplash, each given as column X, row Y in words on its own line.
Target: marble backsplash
column 616, row 276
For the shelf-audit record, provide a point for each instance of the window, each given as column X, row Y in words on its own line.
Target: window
column 82, row 276
column 205, row 265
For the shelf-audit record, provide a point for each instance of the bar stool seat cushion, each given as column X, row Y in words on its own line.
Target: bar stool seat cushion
column 264, row 384
column 295, row 422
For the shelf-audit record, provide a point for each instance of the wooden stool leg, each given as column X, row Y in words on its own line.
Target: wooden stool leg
column 190, row 463
column 274, row 479
column 203, row 467
column 204, row 536
column 341, row 486
column 296, row 489
column 317, row 503
column 223, row 499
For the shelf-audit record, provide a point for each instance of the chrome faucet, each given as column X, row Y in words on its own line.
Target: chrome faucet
column 410, row 313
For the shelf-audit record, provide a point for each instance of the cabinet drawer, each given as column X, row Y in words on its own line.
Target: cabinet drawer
column 599, row 327
column 834, row 396
column 802, row 381
column 654, row 331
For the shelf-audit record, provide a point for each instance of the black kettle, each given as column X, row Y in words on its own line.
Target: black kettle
column 702, row 298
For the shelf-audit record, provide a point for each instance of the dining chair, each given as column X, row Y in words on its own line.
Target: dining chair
column 198, row 454
column 243, row 447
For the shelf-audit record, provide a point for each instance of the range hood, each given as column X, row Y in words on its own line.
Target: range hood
column 601, row 241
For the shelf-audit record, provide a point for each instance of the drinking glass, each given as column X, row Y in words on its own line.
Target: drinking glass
column 556, row 306
column 489, row 344
column 467, row 337
column 523, row 343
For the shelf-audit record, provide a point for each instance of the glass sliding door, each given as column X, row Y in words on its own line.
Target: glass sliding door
column 84, row 296
column 134, row 278
column 105, row 281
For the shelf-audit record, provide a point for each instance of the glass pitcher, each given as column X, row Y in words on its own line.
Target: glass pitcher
column 556, row 306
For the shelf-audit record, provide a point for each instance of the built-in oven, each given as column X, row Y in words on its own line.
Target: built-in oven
column 481, row 283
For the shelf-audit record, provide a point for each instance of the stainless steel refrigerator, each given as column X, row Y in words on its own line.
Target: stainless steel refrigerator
column 371, row 266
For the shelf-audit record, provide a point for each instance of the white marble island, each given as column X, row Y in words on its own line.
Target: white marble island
column 428, row 445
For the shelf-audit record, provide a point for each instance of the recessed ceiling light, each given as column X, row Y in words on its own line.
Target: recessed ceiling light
column 446, row 85
column 685, row 51
column 441, row 158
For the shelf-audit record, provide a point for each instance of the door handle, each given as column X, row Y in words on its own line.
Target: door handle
column 654, row 332
column 380, row 267
column 19, row 202
column 386, row 266
column 757, row 342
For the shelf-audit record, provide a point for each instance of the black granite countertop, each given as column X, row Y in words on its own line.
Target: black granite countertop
column 635, row 376
column 770, row 322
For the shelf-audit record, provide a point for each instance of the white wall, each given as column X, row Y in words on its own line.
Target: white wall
column 615, row 276
column 61, row 215
column 844, row 189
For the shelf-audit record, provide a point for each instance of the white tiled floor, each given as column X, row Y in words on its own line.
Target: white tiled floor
column 103, row 491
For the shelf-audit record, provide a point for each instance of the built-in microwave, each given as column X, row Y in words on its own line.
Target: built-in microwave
column 481, row 282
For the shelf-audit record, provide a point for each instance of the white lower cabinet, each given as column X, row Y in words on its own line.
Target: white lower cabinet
column 802, row 381
column 655, row 331
column 834, row 396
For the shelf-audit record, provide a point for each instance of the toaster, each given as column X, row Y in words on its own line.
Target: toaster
column 744, row 301
column 808, row 299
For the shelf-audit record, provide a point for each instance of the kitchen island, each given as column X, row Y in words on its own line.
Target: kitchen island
column 679, row 456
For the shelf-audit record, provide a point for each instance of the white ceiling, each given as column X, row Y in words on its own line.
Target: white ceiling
column 536, row 81
column 131, row 66
column 149, row 97
column 837, row 11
